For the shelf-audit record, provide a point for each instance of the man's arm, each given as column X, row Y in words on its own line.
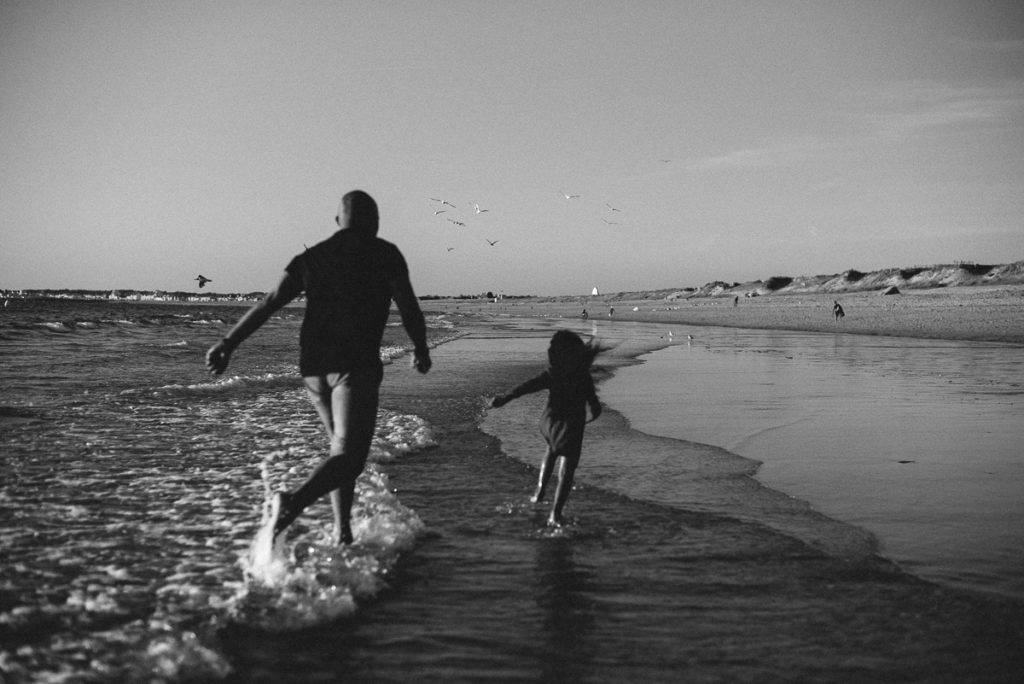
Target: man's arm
column 219, row 354
column 412, row 320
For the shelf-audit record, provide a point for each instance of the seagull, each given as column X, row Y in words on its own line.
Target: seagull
column 443, row 202
column 458, row 223
column 451, row 249
column 439, row 211
column 610, row 223
column 479, row 210
column 570, row 197
column 492, row 242
column 665, row 161
column 203, row 280
column 610, row 207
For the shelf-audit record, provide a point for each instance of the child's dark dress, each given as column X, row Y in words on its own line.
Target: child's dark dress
column 563, row 419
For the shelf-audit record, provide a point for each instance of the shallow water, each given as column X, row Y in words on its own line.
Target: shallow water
column 916, row 441
column 133, row 487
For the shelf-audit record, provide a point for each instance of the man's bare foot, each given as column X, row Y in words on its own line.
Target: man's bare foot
column 342, row 535
column 281, row 512
column 554, row 521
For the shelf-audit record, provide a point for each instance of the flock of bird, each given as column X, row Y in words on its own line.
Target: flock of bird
column 442, row 206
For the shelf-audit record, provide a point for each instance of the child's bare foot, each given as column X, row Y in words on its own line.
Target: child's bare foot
column 281, row 512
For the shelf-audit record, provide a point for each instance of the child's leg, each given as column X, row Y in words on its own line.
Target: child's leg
column 546, row 466
column 566, row 473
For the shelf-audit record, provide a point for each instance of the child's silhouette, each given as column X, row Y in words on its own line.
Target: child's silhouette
column 570, row 389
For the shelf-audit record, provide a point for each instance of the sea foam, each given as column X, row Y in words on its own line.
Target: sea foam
column 295, row 585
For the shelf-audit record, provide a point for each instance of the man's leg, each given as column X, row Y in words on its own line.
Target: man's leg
column 347, row 404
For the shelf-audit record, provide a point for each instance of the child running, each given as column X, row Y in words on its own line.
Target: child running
column 570, row 389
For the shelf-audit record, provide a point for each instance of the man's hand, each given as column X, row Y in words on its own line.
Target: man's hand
column 217, row 357
column 421, row 361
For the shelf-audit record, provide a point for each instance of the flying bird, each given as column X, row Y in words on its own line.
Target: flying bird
column 570, row 197
column 610, row 223
column 451, row 249
column 492, row 242
column 203, row 280
column 444, row 202
column 439, row 211
column 458, row 223
column 610, row 207
column 479, row 210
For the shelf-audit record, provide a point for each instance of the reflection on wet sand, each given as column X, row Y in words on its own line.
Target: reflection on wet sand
column 568, row 611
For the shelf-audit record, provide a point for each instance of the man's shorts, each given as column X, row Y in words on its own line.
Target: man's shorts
column 349, row 401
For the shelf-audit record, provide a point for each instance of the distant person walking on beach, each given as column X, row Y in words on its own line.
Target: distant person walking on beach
column 611, row 311
column 570, row 390
column 349, row 280
column 736, row 300
column 837, row 310
column 584, row 315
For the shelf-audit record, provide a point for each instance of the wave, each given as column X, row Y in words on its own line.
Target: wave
column 39, row 328
column 234, row 384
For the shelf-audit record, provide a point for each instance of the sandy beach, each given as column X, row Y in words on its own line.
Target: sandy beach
column 982, row 313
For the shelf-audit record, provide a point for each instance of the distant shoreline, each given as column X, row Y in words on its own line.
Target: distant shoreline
column 986, row 313
column 960, row 274
column 951, row 302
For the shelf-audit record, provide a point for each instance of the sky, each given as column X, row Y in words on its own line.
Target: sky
column 144, row 143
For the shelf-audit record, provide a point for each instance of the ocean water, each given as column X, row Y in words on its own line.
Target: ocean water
column 133, row 489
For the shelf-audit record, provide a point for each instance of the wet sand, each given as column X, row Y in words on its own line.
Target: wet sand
column 981, row 313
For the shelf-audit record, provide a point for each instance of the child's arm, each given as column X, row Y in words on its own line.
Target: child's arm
column 498, row 402
column 542, row 381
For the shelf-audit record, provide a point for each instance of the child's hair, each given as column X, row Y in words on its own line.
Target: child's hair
column 568, row 352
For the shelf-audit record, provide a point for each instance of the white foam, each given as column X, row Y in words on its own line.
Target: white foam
column 181, row 655
column 399, row 434
column 292, row 585
column 223, row 385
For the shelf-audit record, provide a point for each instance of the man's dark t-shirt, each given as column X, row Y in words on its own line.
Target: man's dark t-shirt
column 347, row 280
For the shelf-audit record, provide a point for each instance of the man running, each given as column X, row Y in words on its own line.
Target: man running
column 349, row 280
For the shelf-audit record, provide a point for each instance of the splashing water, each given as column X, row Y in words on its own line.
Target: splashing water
column 290, row 587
